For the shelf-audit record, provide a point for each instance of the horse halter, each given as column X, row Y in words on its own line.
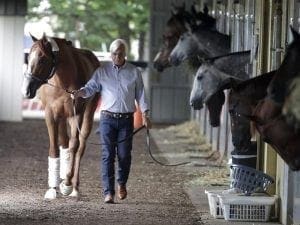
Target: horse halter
column 54, row 51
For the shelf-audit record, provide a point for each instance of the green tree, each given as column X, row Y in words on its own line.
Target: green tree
column 94, row 22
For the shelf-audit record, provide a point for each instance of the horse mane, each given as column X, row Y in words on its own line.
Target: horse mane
column 177, row 21
column 90, row 55
column 63, row 41
column 44, row 47
column 258, row 80
column 201, row 20
column 255, row 87
column 211, row 60
column 207, row 21
column 199, row 29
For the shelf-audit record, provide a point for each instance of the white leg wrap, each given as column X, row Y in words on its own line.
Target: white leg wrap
column 64, row 189
column 50, row 194
column 53, row 178
column 53, row 172
column 64, row 161
column 74, row 194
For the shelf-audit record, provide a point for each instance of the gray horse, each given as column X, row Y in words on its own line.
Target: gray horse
column 217, row 74
column 201, row 43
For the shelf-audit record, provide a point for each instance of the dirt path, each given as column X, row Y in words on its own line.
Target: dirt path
column 156, row 195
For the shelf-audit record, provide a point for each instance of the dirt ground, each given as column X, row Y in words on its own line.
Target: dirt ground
column 156, row 194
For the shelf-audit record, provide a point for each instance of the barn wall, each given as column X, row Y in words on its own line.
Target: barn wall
column 12, row 22
column 11, row 58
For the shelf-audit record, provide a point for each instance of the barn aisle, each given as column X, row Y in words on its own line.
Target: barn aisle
column 156, row 194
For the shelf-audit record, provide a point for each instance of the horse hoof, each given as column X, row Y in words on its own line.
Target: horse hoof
column 64, row 189
column 50, row 194
column 74, row 194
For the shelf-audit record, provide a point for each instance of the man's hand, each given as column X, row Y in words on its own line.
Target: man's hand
column 146, row 120
column 77, row 93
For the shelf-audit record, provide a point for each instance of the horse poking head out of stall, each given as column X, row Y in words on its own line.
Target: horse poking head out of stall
column 270, row 122
column 176, row 26
column 285, row 87
column 55, row 68
column 215, row 75
column 201, row 43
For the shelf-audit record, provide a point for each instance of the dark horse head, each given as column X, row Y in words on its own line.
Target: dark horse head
column 41, row 65
column 175, row 27
column 288, row 70
column 285, row 87
column 270, row 122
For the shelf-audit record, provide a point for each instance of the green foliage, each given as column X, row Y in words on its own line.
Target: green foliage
column 93, row 22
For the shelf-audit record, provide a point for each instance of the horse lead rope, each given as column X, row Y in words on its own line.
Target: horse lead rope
column 154, row 159
column 129, row 136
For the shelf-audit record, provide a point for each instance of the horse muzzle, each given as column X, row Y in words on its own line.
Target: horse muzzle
column 29, row 87
column 158, row 66
column 197, row 105
column 174, row 60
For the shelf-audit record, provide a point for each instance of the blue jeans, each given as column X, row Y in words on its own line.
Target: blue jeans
column 113, row 130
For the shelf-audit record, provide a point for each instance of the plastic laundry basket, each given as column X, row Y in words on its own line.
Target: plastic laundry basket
column 249, row 180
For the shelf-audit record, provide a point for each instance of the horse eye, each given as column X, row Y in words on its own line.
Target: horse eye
column 41, row 61
column 199, row 77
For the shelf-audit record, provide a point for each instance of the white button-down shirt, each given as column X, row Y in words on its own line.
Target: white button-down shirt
column 118, row 87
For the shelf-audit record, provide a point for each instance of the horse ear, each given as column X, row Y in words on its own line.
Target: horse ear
column 173, row 9
column 34, row 39
column 44, row 37
column 194, row 8
column 54, row 45
column 205, row 9
column 177, row 9
column 188, row 26
column 295, row 34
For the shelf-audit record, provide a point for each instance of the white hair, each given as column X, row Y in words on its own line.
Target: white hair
column 116, row 44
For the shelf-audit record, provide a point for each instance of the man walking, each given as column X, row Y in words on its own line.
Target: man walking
column 120, row 85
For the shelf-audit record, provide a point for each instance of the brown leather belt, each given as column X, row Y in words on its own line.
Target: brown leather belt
column 117, row 115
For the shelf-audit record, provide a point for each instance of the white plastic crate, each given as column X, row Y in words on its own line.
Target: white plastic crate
column 256, row 207
column 215, row 208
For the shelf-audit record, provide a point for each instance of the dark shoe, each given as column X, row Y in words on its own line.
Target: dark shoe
column 122, row 192
column 109, row 198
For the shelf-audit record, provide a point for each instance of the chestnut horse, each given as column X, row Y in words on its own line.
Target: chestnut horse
column 55, row 68
column 270, row 122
